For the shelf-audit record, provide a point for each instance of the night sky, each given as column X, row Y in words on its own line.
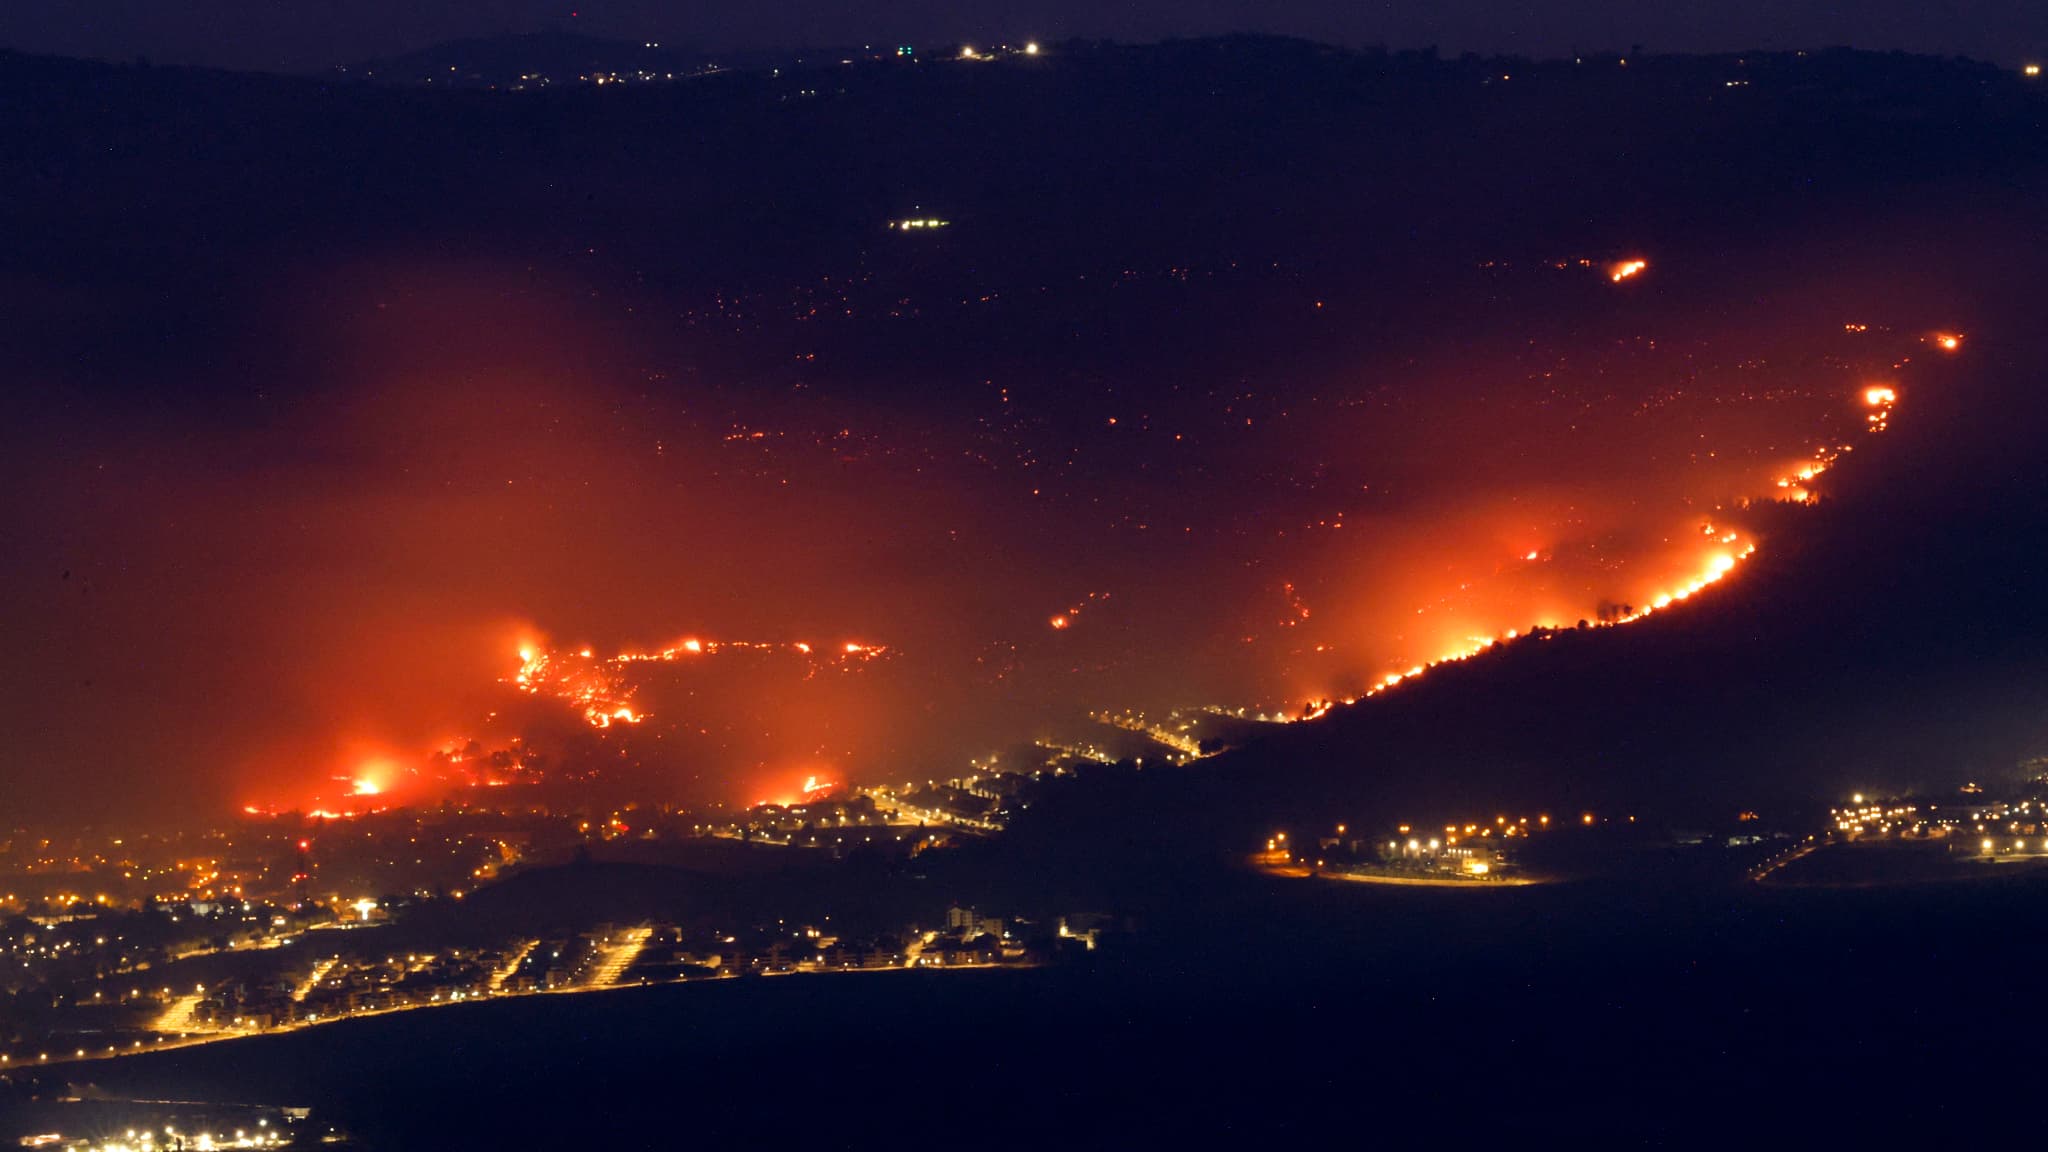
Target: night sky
column 267, row 35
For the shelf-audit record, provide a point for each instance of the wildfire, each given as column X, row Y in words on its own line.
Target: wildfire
column 602, row 688
column 812, row 789
column 1879, row 398
column 598, row 687
column 1625, row 269
column 1717, row 564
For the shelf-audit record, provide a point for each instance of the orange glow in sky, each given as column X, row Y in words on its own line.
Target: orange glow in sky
column 1242, row 547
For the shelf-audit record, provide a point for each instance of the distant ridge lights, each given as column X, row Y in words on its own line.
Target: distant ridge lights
column 970, row 52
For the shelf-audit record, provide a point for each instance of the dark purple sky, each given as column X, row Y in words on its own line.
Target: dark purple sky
column 301, row 34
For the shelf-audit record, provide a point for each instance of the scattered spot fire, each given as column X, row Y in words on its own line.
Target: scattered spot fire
column 1062, row 621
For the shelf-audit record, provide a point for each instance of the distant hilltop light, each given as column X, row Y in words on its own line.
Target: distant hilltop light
column 1031, row 49
column 2032, row 70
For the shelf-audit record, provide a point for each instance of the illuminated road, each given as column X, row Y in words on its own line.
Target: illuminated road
column 1269, row 864
column 313, row 978
column 178, row 1018
column 257, row 944
column 887, row 799
column 519, row 956
column 1177, row 739
column 192, row 1039
column 1762, row 873
column 619, row 956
